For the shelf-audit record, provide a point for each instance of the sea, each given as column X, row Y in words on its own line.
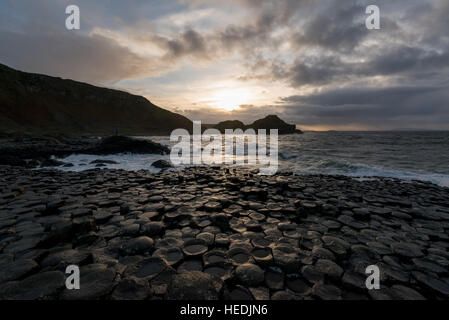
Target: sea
column 414, row 155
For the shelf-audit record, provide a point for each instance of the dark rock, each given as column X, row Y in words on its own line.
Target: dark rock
column 274, row 279
column 162, row 164
column 52, row 163
column 194, row 285
column 240, row 293
column 260, row 293
column 10, row 160
column 326, row 292
column 45, row 285
column 194, row 247
column 94, row 284
column 283, row 295
column 17, row 270
column 408, row 250
column 249, row 274
column 190, row 265
column 171, row 255
column 298, row 286
column 405, row 293
column 138, row 245
column 429, row 282
column 329, row 268
column 98, row 161
column 153, row 228
column 62, row 259
column 121, row 144
column 131, row 289
column 146, row 269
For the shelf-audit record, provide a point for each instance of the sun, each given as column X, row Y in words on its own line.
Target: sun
column 230, row 99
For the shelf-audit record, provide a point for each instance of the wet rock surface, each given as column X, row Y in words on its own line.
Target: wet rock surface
column 215, row 233
column 38, row 151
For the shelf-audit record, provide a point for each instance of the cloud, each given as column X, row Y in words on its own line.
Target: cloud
column 318, row 54
column 93, row 58
column 384, row 108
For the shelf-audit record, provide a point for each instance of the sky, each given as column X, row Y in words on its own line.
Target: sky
column 313, row 63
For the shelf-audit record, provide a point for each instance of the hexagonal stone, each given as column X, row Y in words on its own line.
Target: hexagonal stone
column 240, row 293
column 311, row 274
column 130, row 229
column 194, row 247
column 336, row 245
column 146, row 268
column 194, row 285
column 39, row 286
column 239, row 256
column 153, row 228
column 221, row 270
column 298, row 286
column 190, row 265
column 214, row 256
column 262, row 256
column 353, row 280
column 329, row 268
column 17, row 270
column 212, row 206
column 95, row 282
column 274, row 279
column 206, row 237
column 64, row 258
column 408, row 250
column 131, row 289
column 326, row 291
column 138, row 245
column 283, row 295
column 260, row 293
column 250, row 274
column 431, row 283
column 427, row 266
column 287, row 258
column 171, row 255
column 406, row 293
column 322, row 253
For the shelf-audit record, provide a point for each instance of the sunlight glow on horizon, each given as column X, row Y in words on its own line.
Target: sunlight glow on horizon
column 231, row 99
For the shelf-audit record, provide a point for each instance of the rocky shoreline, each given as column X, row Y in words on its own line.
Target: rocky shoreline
column 219, row 233
column 43, row 151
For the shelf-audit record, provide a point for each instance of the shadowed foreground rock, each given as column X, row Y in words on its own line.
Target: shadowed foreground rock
column 37, row 151
column 211, row 233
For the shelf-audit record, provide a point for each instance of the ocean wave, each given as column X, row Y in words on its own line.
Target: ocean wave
column 334, row 167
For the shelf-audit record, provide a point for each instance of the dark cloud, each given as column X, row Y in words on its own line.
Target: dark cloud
column 370, row 108
column 189, row 43
column 359, row 76
column 367, row 107
column 94, row 59
column 339, row 29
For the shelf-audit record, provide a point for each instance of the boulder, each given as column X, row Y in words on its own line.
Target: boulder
column 120, row 144
column 162, row 164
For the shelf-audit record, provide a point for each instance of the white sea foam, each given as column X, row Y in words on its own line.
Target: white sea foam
column 420, row 156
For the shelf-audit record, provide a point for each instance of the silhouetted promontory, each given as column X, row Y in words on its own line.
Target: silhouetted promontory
column 269, row 122
column 41, row 104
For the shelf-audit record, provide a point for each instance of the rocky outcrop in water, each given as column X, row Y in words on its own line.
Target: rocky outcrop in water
column 269, row 122
column 32, row 151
